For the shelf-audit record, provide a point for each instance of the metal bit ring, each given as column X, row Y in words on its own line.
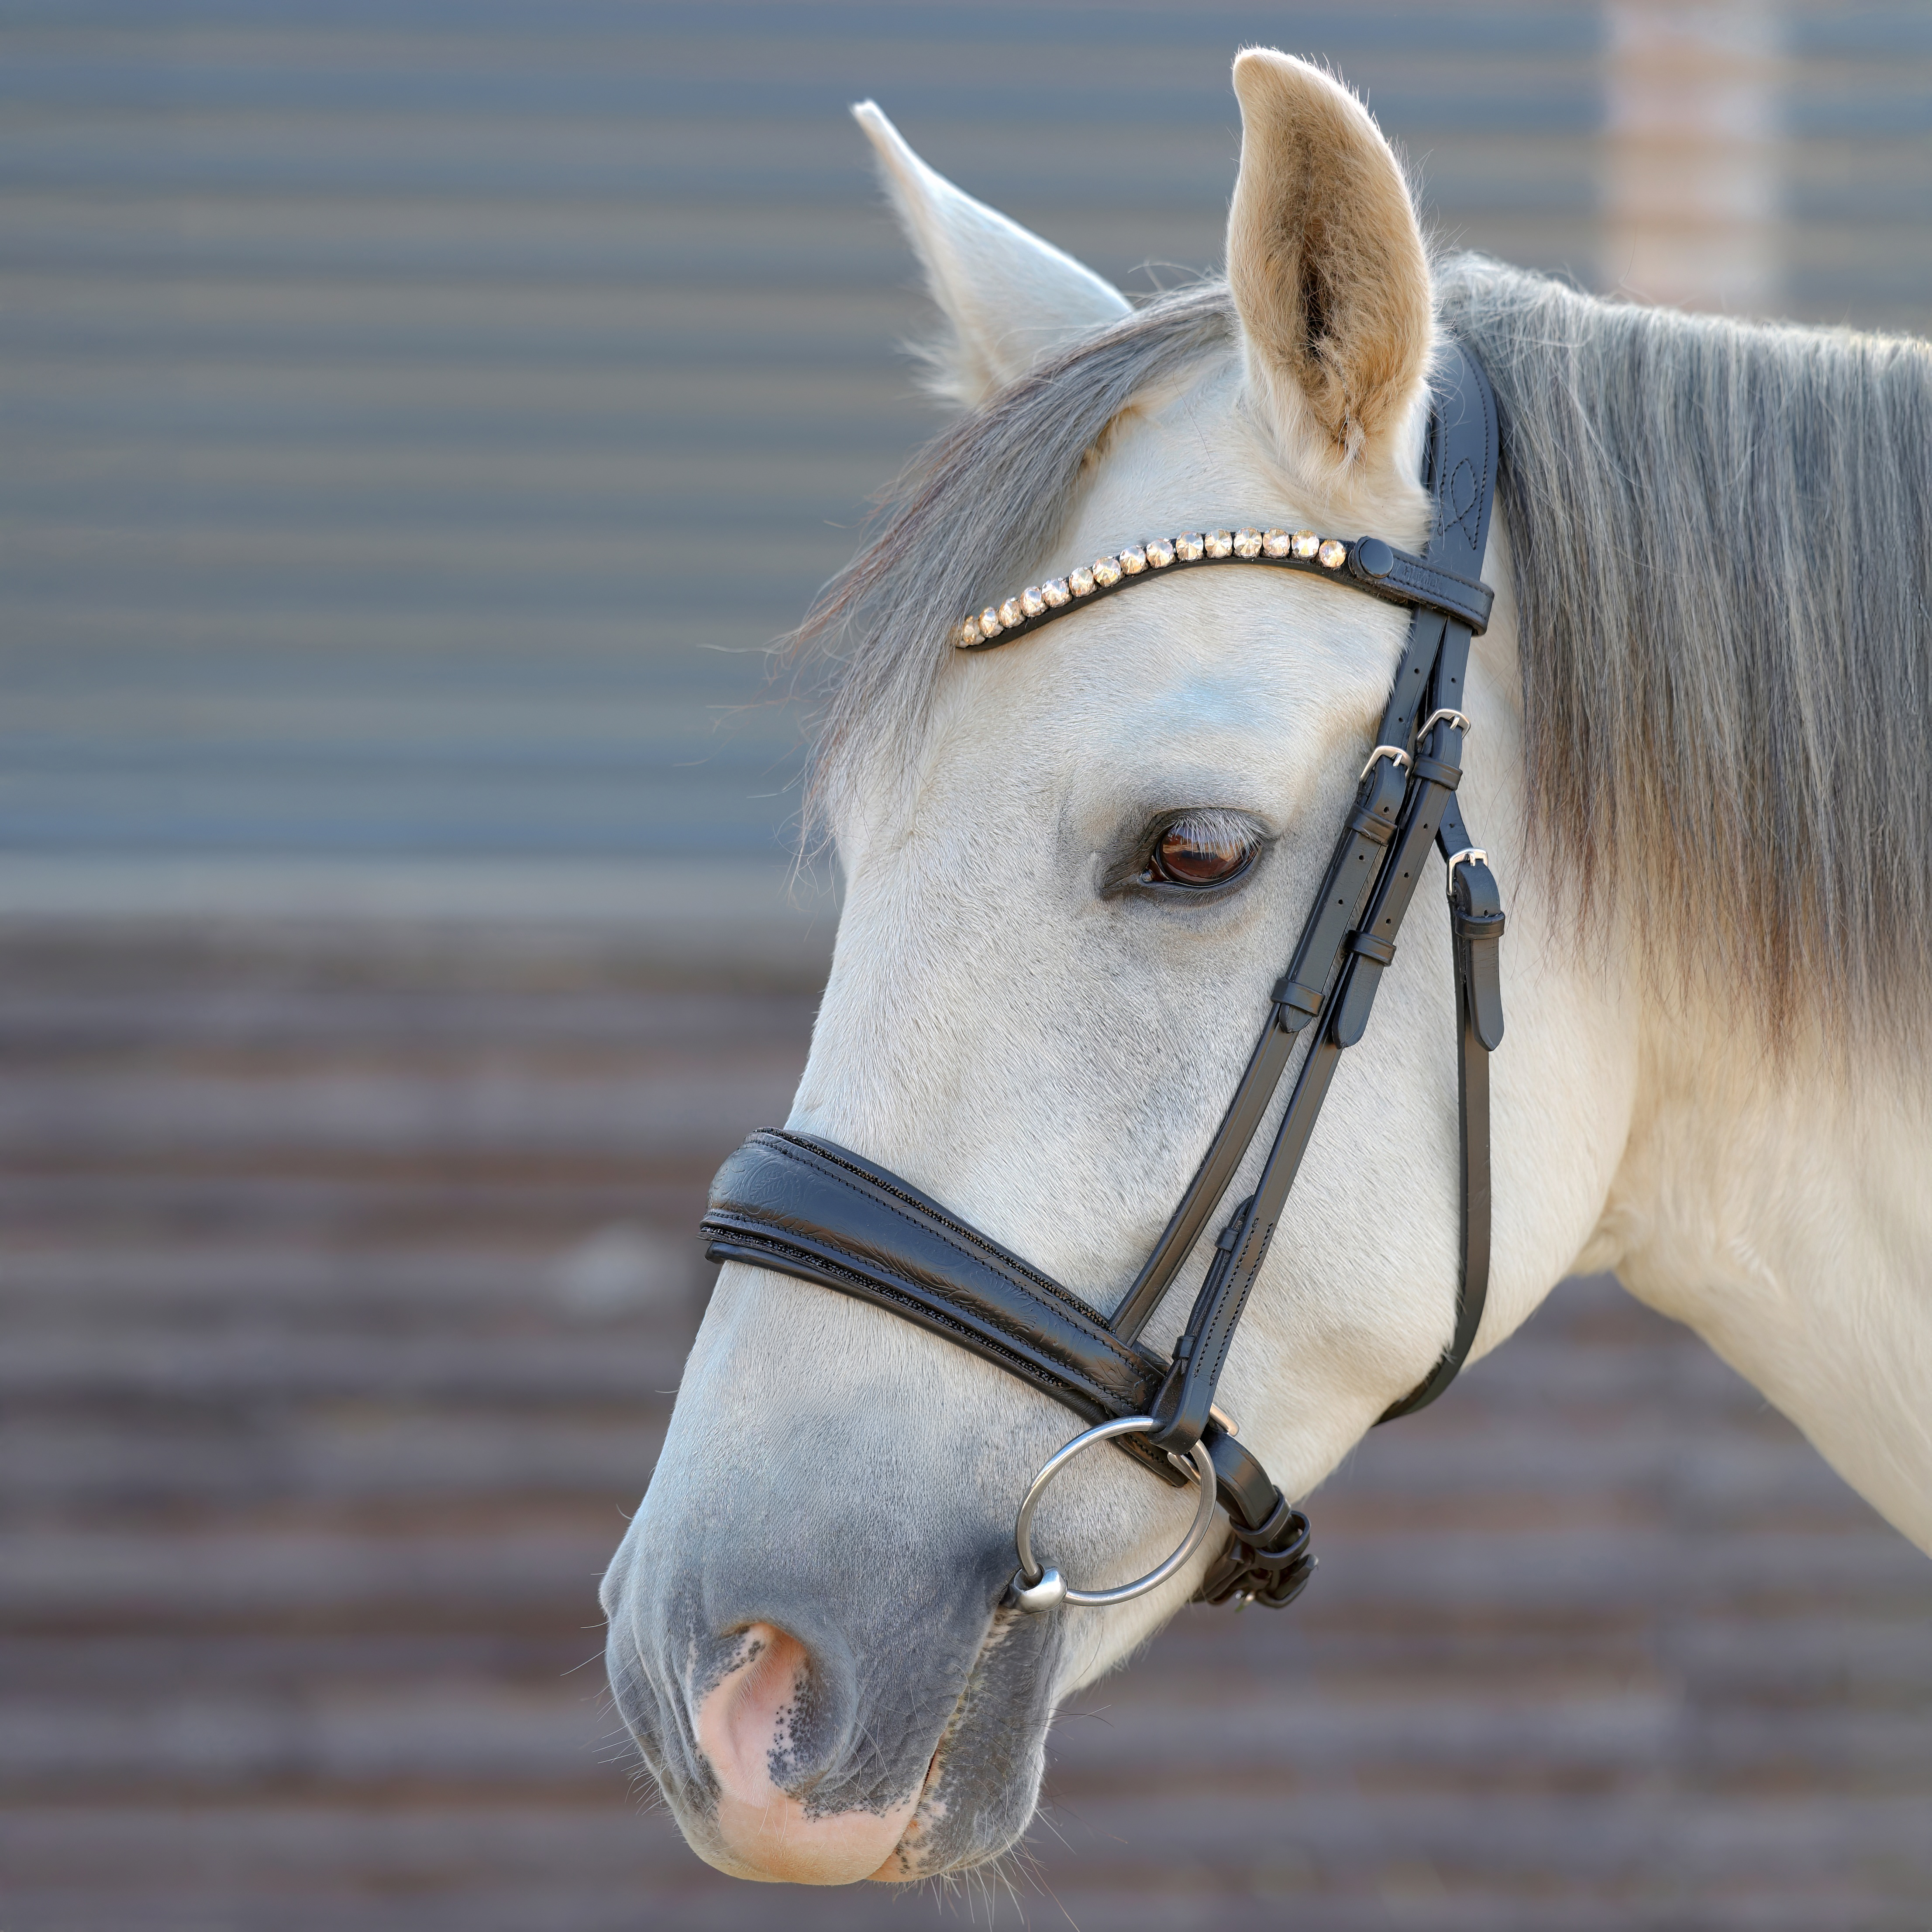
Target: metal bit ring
column 1036, row 1587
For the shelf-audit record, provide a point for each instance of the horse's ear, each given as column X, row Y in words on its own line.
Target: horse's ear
column 1010, row 296
column 1326, row 263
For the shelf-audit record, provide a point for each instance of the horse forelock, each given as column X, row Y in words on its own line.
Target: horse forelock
column 1721, row 538
column 989, row 495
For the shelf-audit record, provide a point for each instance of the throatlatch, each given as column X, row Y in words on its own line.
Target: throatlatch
column 804, row 1206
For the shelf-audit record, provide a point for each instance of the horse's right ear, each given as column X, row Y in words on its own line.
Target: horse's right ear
column 1010, row 297
column 1329, row 274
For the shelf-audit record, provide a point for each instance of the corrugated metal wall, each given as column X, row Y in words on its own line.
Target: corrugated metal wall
column 416, row 416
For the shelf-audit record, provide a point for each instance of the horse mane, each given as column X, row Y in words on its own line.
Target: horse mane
column 1721, row 541
column 1721, row 553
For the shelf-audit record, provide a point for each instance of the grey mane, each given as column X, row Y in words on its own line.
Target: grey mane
column 1721, row 544
column 1721, row 540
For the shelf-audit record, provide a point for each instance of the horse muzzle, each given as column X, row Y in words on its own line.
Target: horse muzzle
column 808, row 1640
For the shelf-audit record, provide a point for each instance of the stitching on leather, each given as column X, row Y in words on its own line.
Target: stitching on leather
column 1481, row 480
column 1464, row 471
column 975, row 1247
column 867, row 1285
column 1440, row 574
column 1000, row 1259
column 1492, row 440
column 1412, row 565
column 795, row 1151
column 1227, row 1323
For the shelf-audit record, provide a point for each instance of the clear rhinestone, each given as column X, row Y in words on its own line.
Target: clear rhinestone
column 1219, row 543
column 1333, row 555
column 1188, row 545
column 1010, row 612
column 969, row 635
column 1031, row 601
column 1080, row 581
column 1306, row 543
column 990, row 625
column 1276, row 543
column 1247, row 543
column 1055, row 592
column 1160, row 553
column 1106, row 571
column 1133, row 559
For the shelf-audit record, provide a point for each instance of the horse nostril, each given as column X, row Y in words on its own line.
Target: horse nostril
column 768, row 1728
column 750, row 1724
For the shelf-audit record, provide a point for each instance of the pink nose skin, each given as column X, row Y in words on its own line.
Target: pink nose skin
column 763, row 1833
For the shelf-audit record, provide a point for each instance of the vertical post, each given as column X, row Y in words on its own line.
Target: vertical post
column 1691, row 179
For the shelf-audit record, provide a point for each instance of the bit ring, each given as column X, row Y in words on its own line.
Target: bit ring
column 1036, row 1587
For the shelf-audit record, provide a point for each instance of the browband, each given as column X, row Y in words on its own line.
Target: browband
column 803, row 1206
column 1364, row 563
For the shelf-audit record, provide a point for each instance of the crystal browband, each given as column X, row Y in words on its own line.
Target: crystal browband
column 1364, row 563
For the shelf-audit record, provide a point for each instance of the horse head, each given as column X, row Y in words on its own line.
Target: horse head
column 1073, row 867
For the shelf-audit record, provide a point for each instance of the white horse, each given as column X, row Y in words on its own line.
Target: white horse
column 1703, row 712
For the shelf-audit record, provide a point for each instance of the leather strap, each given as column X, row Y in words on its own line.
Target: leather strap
column 808, row 1207
column 1396, row 576
column 1299, row 995
column 1476, row 923
column 835, row 1219
column 1462, row 459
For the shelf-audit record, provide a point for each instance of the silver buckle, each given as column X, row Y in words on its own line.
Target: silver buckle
column 1469, row 854
column 1395, row 751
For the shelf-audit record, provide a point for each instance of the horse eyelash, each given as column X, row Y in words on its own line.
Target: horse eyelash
column 1215, row 828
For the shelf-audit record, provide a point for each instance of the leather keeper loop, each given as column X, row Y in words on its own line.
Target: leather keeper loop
column 1381, row 830
column 1476, row 924
column 1284, row 1520
column 1291, row 993
column 1448, row 776
column 1381, row 951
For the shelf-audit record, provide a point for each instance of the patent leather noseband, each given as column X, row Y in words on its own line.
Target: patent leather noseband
column 805, row 1207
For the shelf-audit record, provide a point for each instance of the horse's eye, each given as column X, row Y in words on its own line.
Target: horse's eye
column 1193, row 853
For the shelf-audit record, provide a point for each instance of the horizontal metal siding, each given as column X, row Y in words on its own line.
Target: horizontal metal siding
column 416, row 418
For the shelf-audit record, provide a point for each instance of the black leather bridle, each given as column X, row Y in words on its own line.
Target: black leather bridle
column 806, row 1208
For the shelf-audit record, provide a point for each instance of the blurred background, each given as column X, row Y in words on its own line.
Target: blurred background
column 415, row 420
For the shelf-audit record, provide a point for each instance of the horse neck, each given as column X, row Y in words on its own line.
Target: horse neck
column 1777, row 1204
